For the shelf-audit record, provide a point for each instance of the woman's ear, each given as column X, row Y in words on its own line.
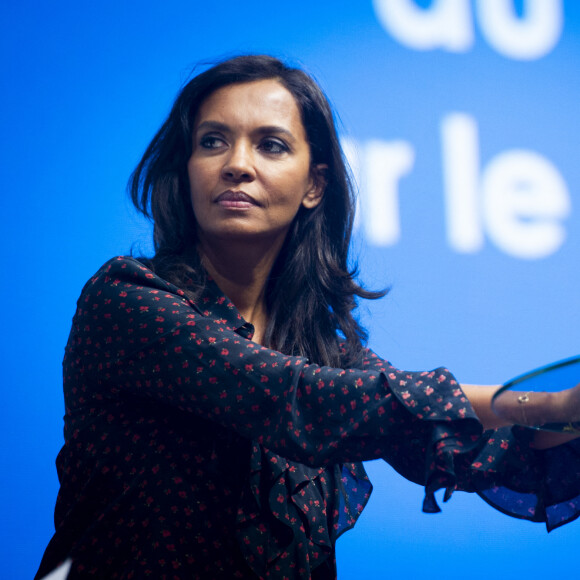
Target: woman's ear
column 317, row 186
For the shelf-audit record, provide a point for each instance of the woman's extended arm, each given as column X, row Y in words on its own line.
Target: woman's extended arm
column 136, row 335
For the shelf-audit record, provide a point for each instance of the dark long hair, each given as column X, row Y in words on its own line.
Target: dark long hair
column 311, row 292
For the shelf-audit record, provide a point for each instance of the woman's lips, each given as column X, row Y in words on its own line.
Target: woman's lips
column 235, row 199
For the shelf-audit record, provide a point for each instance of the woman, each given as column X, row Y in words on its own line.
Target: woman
column 218, row 394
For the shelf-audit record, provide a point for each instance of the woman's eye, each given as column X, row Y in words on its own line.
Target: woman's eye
column 211, row 142
column 273, row 146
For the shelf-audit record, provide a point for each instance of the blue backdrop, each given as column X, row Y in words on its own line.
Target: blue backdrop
column 461, row 122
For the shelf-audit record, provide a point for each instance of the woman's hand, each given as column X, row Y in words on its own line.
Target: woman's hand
column 571, row 403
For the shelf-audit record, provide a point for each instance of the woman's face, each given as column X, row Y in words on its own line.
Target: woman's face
column 250, row 169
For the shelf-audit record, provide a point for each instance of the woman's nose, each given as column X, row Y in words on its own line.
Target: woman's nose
column 239, row 165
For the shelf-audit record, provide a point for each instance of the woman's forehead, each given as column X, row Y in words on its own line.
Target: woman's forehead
column 263, row 102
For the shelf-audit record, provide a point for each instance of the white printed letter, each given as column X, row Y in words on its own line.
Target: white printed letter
column 527, row 38
column 525, row 200
column 384, row 165
column 461, row 182
column 447, row 24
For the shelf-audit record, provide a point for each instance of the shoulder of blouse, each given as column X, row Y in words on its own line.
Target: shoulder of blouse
column 126, row 269
column 125, row 277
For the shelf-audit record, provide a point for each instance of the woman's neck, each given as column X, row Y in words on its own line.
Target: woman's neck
column 241, row 271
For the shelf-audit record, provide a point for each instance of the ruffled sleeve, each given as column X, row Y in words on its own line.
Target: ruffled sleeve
column 499, row 465
column 437, row 426
column 518, row 480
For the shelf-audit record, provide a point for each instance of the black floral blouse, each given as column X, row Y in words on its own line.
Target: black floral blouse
column 193, row 452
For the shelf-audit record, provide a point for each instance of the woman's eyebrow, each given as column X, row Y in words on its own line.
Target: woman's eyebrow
column 213, row 126
column 263, row 130
column 275, row 129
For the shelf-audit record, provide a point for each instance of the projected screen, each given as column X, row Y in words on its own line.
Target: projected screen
column 461, row 125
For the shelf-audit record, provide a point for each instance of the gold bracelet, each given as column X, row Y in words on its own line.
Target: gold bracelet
column 522, row 400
